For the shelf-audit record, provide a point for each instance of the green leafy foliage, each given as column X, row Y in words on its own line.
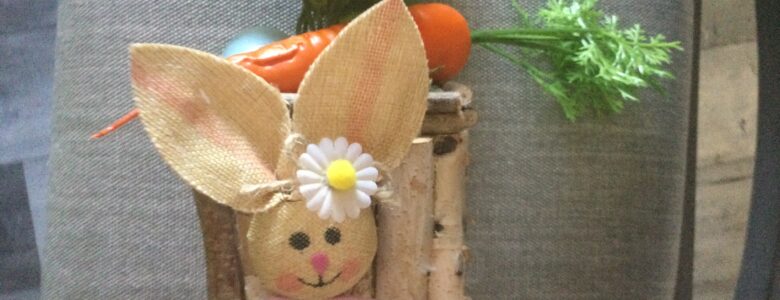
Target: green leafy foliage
column 587, row 60
column 316, row 14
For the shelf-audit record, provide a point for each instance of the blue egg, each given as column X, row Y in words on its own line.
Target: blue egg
column 251, row 39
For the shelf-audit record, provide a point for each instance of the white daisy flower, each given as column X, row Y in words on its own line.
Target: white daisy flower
column 336, row 178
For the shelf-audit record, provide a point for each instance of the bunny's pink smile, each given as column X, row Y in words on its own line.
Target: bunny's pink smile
column 320, row 283
column 320, row 263
column 291, row 283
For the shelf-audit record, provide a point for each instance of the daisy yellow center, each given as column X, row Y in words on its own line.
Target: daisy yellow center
column 341, row 175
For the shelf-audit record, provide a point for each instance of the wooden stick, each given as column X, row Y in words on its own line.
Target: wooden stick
column 436, row 124
column 446, row 280
column 252, row 287
column 405, row 228
column 220, row 240
column 364, row 289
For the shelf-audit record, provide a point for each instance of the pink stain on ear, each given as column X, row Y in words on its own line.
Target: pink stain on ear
column 366, row 90
column 194, row 108
column 289, row 283
column 350, row 269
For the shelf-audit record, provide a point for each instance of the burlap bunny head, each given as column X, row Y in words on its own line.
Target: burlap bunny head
column 307, row 179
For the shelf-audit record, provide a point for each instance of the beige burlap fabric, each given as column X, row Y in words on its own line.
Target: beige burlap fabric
column 227, row 133
column 219, row 126
column 289, row 244
column 369, row 85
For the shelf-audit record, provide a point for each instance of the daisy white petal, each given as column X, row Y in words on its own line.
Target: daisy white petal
column 340, row 147
column 369, row 173
column 337, row 209
column 366, row 186
column 325, row 209
column 363, row 199
column 326, row 145
column 318, row 155
column 309, row 190
column 353, row 152
column 309, row 163
column 338, row 215
column 352, row 209
column 315, row 202
column 363, row 161
column 307, row 177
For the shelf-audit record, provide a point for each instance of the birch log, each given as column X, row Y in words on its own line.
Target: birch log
column 223, row 265
column 446, row 280
column 405, row 228
column 252, row 287
column 364, row 289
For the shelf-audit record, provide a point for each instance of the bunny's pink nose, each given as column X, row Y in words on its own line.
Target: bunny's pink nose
column 320, row 262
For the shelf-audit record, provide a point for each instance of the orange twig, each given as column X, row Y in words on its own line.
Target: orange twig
column 117, row 124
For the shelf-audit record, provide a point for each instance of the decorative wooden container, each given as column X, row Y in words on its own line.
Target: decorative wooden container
column 420, row 228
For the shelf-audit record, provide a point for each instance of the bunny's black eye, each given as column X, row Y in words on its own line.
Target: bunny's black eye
column 333, row 235
column 299, row 240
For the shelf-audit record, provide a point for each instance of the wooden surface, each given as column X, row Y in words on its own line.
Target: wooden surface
column 405, row 228
column 727, row 22
column 726, row 138
column 448, row 123
column 220, row 240
column 447, row 256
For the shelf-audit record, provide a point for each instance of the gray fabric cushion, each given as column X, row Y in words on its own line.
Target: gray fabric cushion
column 585, row 210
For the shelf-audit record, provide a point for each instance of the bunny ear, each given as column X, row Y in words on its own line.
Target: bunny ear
column 217, row 125
column 369, row 85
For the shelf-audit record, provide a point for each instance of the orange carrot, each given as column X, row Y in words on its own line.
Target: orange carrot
column 284, row 63
column 444, row 31
column 446, row 36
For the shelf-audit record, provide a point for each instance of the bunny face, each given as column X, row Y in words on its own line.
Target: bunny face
column 312, row 259
column 226, row 132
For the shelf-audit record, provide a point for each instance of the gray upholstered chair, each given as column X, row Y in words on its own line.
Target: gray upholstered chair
column 557, row 210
